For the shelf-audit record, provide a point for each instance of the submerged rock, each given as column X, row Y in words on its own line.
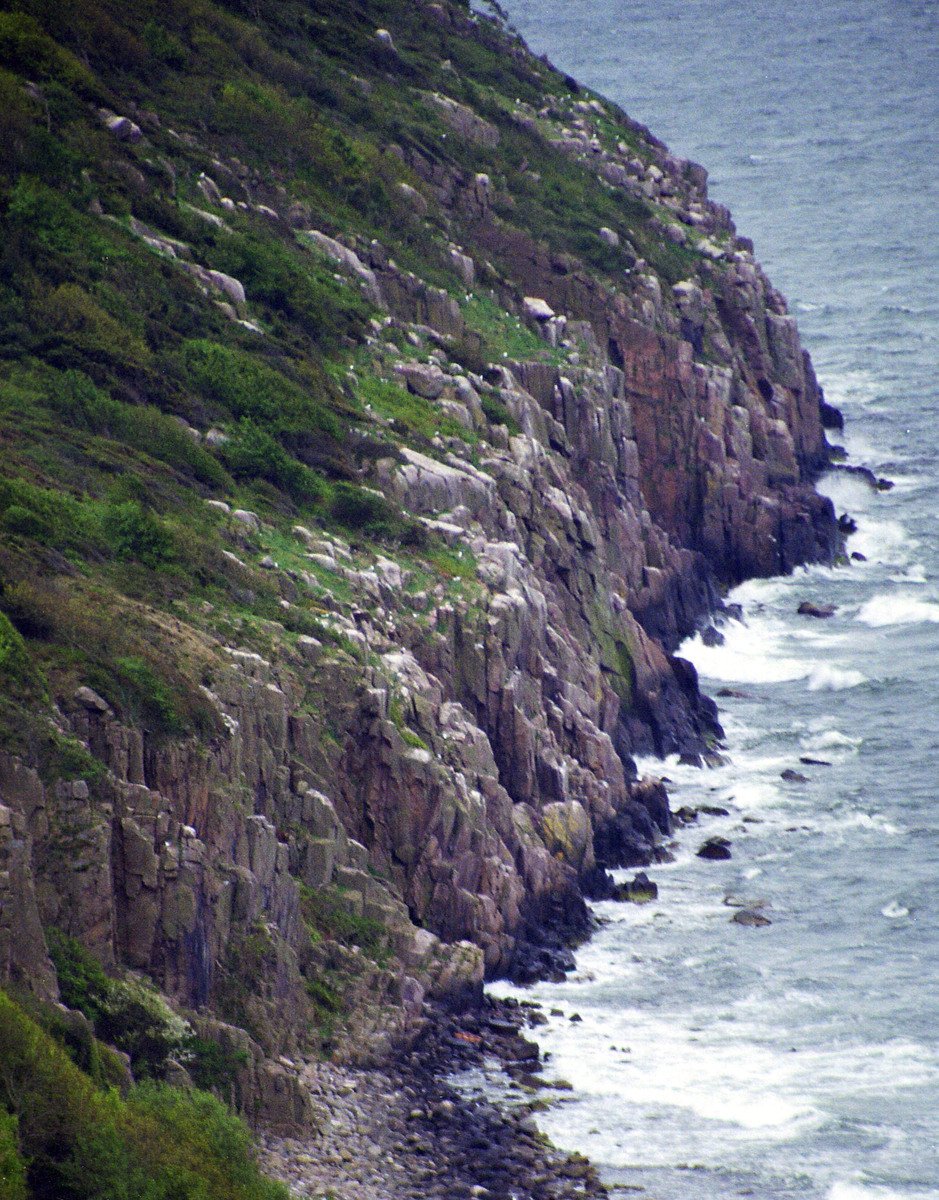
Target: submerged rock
column 751, row 917
column 716, row 848
column 821, row 611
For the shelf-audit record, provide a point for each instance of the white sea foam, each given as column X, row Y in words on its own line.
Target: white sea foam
column 855, row 1189
column 894, row 911
column 891, row 608
column 830, row 739
column 751, row 653
column 828, row 678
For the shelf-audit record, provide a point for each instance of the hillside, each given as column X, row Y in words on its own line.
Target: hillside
column 379, row 410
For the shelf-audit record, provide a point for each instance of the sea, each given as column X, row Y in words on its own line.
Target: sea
column 798, row 1058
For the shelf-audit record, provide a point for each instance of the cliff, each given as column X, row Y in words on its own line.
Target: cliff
column 380, row 409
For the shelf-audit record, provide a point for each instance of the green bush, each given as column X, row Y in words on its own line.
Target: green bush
column 82, row 981
column 127, row 1013
column 137, row 1020
column 147, row 696
column 213, row 1066
column 301, row 289
column 12, row 648
column 251, row 453
column 73, row 396
column 12, row 1166
column 134, row 534
column 81, row 1142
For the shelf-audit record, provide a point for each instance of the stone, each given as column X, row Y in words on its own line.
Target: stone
column 790, row 776
column 750, row 917
column 567, row 831
column 424, row 379
column 819, row 611
column 414, row 198
column 91, row 700
column 537, row 309
column 609, row 236
column 350, row 263
column 123, row 128
column 385, row 40
column 247, row 520
column 715, row 848
column 639, row 890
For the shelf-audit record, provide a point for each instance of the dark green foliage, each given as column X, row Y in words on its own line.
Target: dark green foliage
column 328, row 916
column 296, row 286
column 82, row 981
column 125, row 1014
column 78, row 1141
column 251, row 453
column 147, row 696
column 135, row 534
column 213, row 1066
column 497, row 413
column 12, row 1165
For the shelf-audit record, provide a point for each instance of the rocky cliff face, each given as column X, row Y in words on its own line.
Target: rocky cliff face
column 416, row 784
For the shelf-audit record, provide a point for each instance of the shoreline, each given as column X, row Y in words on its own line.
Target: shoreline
column 404, row 1131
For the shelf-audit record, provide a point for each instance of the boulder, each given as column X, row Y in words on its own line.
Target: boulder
column 819, row 611
column 537, row 309
column 424, row 379
column 751, row 917
column 638, row 890
column 715, row 848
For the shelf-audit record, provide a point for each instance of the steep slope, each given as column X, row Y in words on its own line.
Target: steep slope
column 379, row 411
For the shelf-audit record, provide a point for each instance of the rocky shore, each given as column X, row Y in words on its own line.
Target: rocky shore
column 428, row 1125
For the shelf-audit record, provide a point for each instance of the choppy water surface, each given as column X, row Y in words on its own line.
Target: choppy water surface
column 800, row 1059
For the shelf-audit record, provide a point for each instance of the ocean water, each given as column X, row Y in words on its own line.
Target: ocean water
column 798, row 1059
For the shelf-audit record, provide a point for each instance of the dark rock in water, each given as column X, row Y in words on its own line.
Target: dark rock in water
column 686, row 815
column 857, row 556
column 750, row 916
column 715, row 848
column 821, row 611
column 733, row 694
column 791, row 776
column 712, row 636
column 814, row 762
column 713, row 810
column 733, row 612
column 831, row 417
column 846, row 525
column 597, row 883
column 711, row 758
column 640, row 890
column 877, row 482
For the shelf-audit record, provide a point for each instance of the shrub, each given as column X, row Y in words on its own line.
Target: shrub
column 127, row 1014
column 81, row 1142
column 148, row 696
column 301, row 290
column 135, row 534
column 213, row 1065
column 12, row 1166
column 251, row 453
column 82, row 981
column 83, row 324
column 82, row 404
column 12, row 648
column 137, row 1020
